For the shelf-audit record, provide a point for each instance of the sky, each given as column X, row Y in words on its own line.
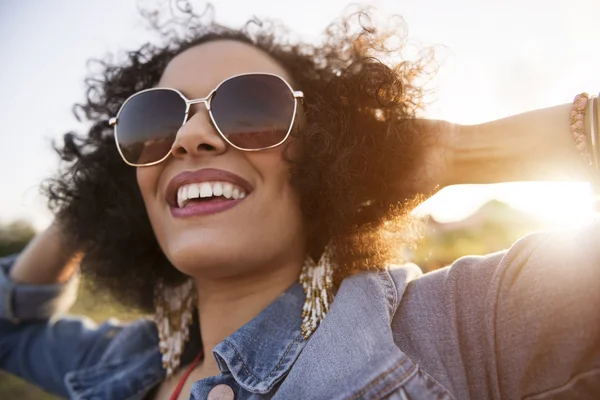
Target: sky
column 495, row 59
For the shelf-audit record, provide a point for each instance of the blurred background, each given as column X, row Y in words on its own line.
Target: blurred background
column 495, row 59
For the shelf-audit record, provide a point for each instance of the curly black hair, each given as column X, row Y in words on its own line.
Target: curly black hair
column 354, row 173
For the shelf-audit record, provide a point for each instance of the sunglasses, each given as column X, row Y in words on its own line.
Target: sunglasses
column 251, row 112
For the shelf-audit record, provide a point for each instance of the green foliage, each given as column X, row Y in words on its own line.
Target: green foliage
column 494, row 227
column 15, row 236
column 12, row 387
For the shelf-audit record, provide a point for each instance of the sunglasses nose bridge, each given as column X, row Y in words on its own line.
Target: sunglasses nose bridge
column 204, row 100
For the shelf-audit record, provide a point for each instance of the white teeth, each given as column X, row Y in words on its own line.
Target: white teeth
column 227, row 190
column 181, row 196
column 193, row 191
column 217, row 189
column 205, row 190
column 208, row 189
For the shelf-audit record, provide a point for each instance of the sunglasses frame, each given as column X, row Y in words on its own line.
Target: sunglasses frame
column 114, row 122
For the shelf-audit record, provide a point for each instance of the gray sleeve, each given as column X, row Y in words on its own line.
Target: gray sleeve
column 524, row 323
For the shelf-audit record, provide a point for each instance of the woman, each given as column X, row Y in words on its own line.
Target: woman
column 251, row 198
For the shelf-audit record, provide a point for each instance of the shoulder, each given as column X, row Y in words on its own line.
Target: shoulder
column 544, row 273
column 112, row 340
column 490, row 313
column 389, row 280
column 131, row 338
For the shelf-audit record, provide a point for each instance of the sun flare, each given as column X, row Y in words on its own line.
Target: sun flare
column 557, row 203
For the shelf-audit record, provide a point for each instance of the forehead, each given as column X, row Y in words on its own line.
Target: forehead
column 200, row 69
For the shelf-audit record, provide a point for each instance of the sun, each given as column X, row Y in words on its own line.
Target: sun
column 558, row 203
column 555, row 202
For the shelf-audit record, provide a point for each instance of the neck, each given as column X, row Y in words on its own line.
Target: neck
column 227, row 304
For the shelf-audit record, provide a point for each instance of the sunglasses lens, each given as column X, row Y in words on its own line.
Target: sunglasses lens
column 147, row 125
column 254, row 111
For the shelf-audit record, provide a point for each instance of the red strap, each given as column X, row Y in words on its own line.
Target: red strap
column 177, row 391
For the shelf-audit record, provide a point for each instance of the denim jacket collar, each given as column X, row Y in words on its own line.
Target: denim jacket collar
column 258, row 355
column 261, row 353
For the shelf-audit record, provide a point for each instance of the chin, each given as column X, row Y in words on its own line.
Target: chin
column 213, row 258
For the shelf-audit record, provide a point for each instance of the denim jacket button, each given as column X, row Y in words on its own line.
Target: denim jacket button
column 221, row 392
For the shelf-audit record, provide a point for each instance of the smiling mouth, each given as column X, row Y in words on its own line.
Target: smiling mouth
column 205, row 191
column 209, row 191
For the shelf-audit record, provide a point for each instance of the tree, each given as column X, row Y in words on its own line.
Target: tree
column 15, row 236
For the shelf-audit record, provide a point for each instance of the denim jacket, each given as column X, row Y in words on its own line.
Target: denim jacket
column 518, row 324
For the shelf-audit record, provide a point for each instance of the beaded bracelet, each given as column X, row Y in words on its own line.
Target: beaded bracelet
column 578, row 126
column 596, row 119
column 590, row 113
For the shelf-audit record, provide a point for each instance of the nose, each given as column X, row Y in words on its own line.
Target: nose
column 198, row 136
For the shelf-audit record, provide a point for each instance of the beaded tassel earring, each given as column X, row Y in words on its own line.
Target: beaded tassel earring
column 174, row 307
column 317, row 281
column 173, row 316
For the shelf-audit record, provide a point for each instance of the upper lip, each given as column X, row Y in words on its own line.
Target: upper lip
column 203, row 175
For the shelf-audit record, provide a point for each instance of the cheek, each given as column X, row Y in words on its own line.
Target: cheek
column 273, row 170
column 147, row 180
column 279, row 200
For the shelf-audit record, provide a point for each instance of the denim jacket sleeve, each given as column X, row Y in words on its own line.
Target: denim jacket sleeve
column 38, row 345
column 518, row 324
